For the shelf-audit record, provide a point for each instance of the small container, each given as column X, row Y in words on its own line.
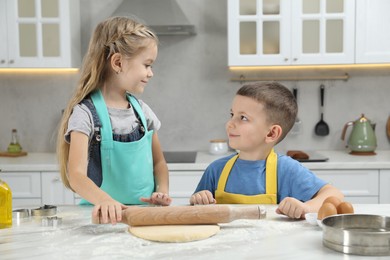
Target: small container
column 14, row 146
column 218, row 147
column 5, row 205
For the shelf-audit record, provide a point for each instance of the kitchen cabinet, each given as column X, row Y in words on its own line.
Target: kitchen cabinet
column 384, row 185
column 25, row 187
column 182, row 184
column 54, row 192
column 372, row 32
column 37, row 188
column 358, row 186
column 290, row 32
column 39, row 33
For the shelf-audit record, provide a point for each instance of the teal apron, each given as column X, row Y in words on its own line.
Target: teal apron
column 127, row 167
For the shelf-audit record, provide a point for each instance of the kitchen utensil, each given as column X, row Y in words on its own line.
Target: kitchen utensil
column 388, row 128
column 296, row 129
column 322, row 128
column 46, row 210
column 357, row 234
column 8, row 154
column 362, row 140
column 51, row 221
column 184, row 215
column 312, row 156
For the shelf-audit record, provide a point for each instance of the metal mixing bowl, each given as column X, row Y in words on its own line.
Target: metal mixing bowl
column 357, row 234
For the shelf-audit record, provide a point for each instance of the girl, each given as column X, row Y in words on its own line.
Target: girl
column 111, row 154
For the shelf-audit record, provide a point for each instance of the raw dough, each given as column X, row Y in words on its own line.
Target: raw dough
column 175, row 233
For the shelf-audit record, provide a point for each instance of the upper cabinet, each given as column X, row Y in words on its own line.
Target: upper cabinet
column 300, row 32
column 39, row 34
column 372, row 31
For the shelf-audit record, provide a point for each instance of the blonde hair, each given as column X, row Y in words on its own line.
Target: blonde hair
column 113, row 35
column 279, row 103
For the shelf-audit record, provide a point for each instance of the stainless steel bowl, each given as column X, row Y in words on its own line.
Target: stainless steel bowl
column 357, row 234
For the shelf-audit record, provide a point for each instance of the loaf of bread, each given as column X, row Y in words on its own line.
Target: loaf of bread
column 297, row 155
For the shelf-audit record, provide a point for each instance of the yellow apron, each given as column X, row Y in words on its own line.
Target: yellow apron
column 271, row 185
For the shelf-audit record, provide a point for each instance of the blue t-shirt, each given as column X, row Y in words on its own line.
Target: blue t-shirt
column 248, row 178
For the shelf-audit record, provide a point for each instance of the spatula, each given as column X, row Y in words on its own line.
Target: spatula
column 322, row 128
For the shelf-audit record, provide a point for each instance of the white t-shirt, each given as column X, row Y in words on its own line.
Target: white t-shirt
column 123, row 121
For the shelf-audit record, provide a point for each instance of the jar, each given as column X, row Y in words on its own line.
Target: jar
column 218, row 147
column 14, row 146
column 5, row 205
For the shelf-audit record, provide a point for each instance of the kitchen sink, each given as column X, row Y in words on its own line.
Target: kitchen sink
column 180, row 156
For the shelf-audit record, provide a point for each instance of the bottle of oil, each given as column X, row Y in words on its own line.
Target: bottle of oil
column 14, row 146
column 5, row 205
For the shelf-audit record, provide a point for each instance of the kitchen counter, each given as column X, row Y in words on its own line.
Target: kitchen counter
column 337, row 160
column 275, row 237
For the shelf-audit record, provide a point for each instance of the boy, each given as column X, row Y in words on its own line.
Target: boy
column 261, row 116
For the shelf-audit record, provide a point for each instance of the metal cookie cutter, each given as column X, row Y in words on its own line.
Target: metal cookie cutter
column 51, row 221
column 20, row 215
column 46, row 210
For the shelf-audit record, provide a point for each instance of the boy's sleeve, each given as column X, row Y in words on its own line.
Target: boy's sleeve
column 207, row 182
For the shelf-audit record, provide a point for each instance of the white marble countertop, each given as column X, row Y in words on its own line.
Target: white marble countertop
column 337, row 160
column 275, row 237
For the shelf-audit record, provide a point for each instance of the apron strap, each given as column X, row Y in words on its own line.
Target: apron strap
column 134, row 102
column 271, row 178
column 225, row 173
column 101, row 109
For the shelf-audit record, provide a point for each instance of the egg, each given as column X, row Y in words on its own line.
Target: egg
column 327, row 209
column 332, row 199
column 345, row 208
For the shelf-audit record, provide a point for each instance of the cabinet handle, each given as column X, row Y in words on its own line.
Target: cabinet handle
column 11, row 61
column 56, row 179
column 295, row 59
column 2, row 61
column 285, row 59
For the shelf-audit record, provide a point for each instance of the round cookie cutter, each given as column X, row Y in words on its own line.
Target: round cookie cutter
column 46, row 210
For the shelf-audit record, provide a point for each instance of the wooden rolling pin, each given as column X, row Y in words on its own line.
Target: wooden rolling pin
column 188, row 215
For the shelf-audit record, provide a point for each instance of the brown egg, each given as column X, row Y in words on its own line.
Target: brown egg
column 332, row 199
column 345, row 208
column 327, row 209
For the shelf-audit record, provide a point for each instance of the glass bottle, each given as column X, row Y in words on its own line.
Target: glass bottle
column 5, row 205
column 14, row 146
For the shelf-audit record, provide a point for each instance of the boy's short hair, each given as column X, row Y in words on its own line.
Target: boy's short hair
column 279, row 103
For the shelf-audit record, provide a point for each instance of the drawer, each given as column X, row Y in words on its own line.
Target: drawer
column 23, row 184
column 352, row 182
column 183, row 183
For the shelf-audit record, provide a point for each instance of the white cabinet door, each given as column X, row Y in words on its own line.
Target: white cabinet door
column 372, row 31
column 323, row 32
column 182, row 184
column 384, row 190
column 53, row 190
column 3, row 34
column 25, row 187
column 259, row 32
column 358, row 186
column 290, row 32
column 41, row 33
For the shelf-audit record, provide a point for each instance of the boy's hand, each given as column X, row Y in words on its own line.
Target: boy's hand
column 158, row 198
column 203, row 197
column 292, row 208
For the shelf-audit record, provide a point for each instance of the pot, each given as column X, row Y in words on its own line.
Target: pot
column 362, row 139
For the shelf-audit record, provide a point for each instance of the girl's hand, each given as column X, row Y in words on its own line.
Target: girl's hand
column 202, row 197
column 292, row 208
column 108, row 211
column 158, row 198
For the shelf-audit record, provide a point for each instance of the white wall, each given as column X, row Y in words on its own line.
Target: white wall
column 191, row 91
